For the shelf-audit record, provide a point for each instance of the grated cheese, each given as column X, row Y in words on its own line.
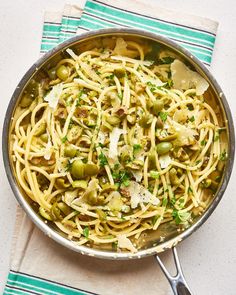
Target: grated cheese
column 54, row 95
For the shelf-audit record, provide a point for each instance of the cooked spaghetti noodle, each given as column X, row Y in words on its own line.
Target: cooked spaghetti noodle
column 110, row 144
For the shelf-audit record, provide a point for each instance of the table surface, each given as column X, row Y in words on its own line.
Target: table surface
column 209, row 256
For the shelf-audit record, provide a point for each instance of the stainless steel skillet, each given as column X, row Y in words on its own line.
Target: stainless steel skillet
column 165, row 237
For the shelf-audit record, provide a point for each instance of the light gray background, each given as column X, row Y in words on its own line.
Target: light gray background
column 209, row 256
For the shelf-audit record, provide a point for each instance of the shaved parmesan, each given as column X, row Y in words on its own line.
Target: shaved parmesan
column 124, row 242
column 185, row 134
column 114, row 139
column 69, row 197
column 54, row 95
column 164, row 161
column 101, row 137
column 71, row 53
column 184, row 78
column 138, row 175
column 139, row 194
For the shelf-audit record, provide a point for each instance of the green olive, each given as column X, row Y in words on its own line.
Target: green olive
column 74, row 133
column 152, row 158
column 101, row 214
column 26, row 100
column 108, row 187
column 163, row 147
column 80, row 184
column 119, row 73
column 90, row 169
column 64, row 208
column 206, row 183
column 55, row 212
column 61, row 183
column 77, row 169
column 91, row 197
column 157, row 107
column 135, row 165
column 173, row 176
column 62, row 72
column 146, row 120
column 113, row 120
column 52, row 73
column 116, row 202
column 44, row 137
column 45, row 214
column 40, row 129
column 70, row 151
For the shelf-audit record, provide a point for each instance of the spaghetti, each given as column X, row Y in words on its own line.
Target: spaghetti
column 111, row 144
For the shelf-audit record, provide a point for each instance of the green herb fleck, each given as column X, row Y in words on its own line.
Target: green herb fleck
column 173, row 201
column 223, row 156
column 68, row 166
column 163, row 116
column 102, row 159
column 79, row 98
column 64, row 139
column 86, row 232
column 154, row 174
column 203, row 142
column 216, row 136
column 192, row 119
column 190, row 190
column 136, row 147
column 180, row 217
column 164, row 202
column 116, row 166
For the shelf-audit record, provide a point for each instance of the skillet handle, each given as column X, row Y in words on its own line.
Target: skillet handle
column 177, row 282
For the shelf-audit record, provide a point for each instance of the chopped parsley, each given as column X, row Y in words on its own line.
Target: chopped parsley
column 154, row 174
column 173, row 201
column 203, row 142
column 180, row 217
column 122, row 177
column 164, row 202
column 86, row 232
column 64, row 139
column 79, row 98
column 216, row 136
column 190, row 190
column 68, row 166
column 223, row 156
column 102, row 159
column 163, row 116
column 192, row 119
column 137, row 147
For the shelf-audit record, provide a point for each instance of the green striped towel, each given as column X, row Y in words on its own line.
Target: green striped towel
column 39, row 265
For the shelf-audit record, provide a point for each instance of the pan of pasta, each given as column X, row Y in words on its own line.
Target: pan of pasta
column 119, row 143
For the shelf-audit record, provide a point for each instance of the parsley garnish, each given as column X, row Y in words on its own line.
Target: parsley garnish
column 190, row 190
column 223, row 156
column 164, row 202
column 79, row 98
column 122, row 177
column 173, row 201
column 216, row 136
column 64, row 139
column 103, row 160
column 86, row 232
column 136, row 147
column 180, row 216
column 68, row 166
column 154, row 174
column 192, row 119
column 163, row 116
column 203, row 142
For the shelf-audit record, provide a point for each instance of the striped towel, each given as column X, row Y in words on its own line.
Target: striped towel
column 39, row 265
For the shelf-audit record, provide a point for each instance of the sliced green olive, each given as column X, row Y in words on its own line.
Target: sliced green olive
column 101, row 214
column 26, row 100
column 70, row 151
column 108, row 187
column 61, row 183
column 52, row 73
column 64, row 208
column 55, row 212
column 80, row 184
column 157, row 107
column 163, row 147
column 45, row 214
column 119, row 72
column 90, row 169
column 74, row 133
column 77, row 169
column 125, row 155
column 173, row 176
column 91, row 197
column 152, row 158
column 116, row 202
column 62, row 72
column 113, row 120
column 40, row 129
column 146, row 120
column 44, row 137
